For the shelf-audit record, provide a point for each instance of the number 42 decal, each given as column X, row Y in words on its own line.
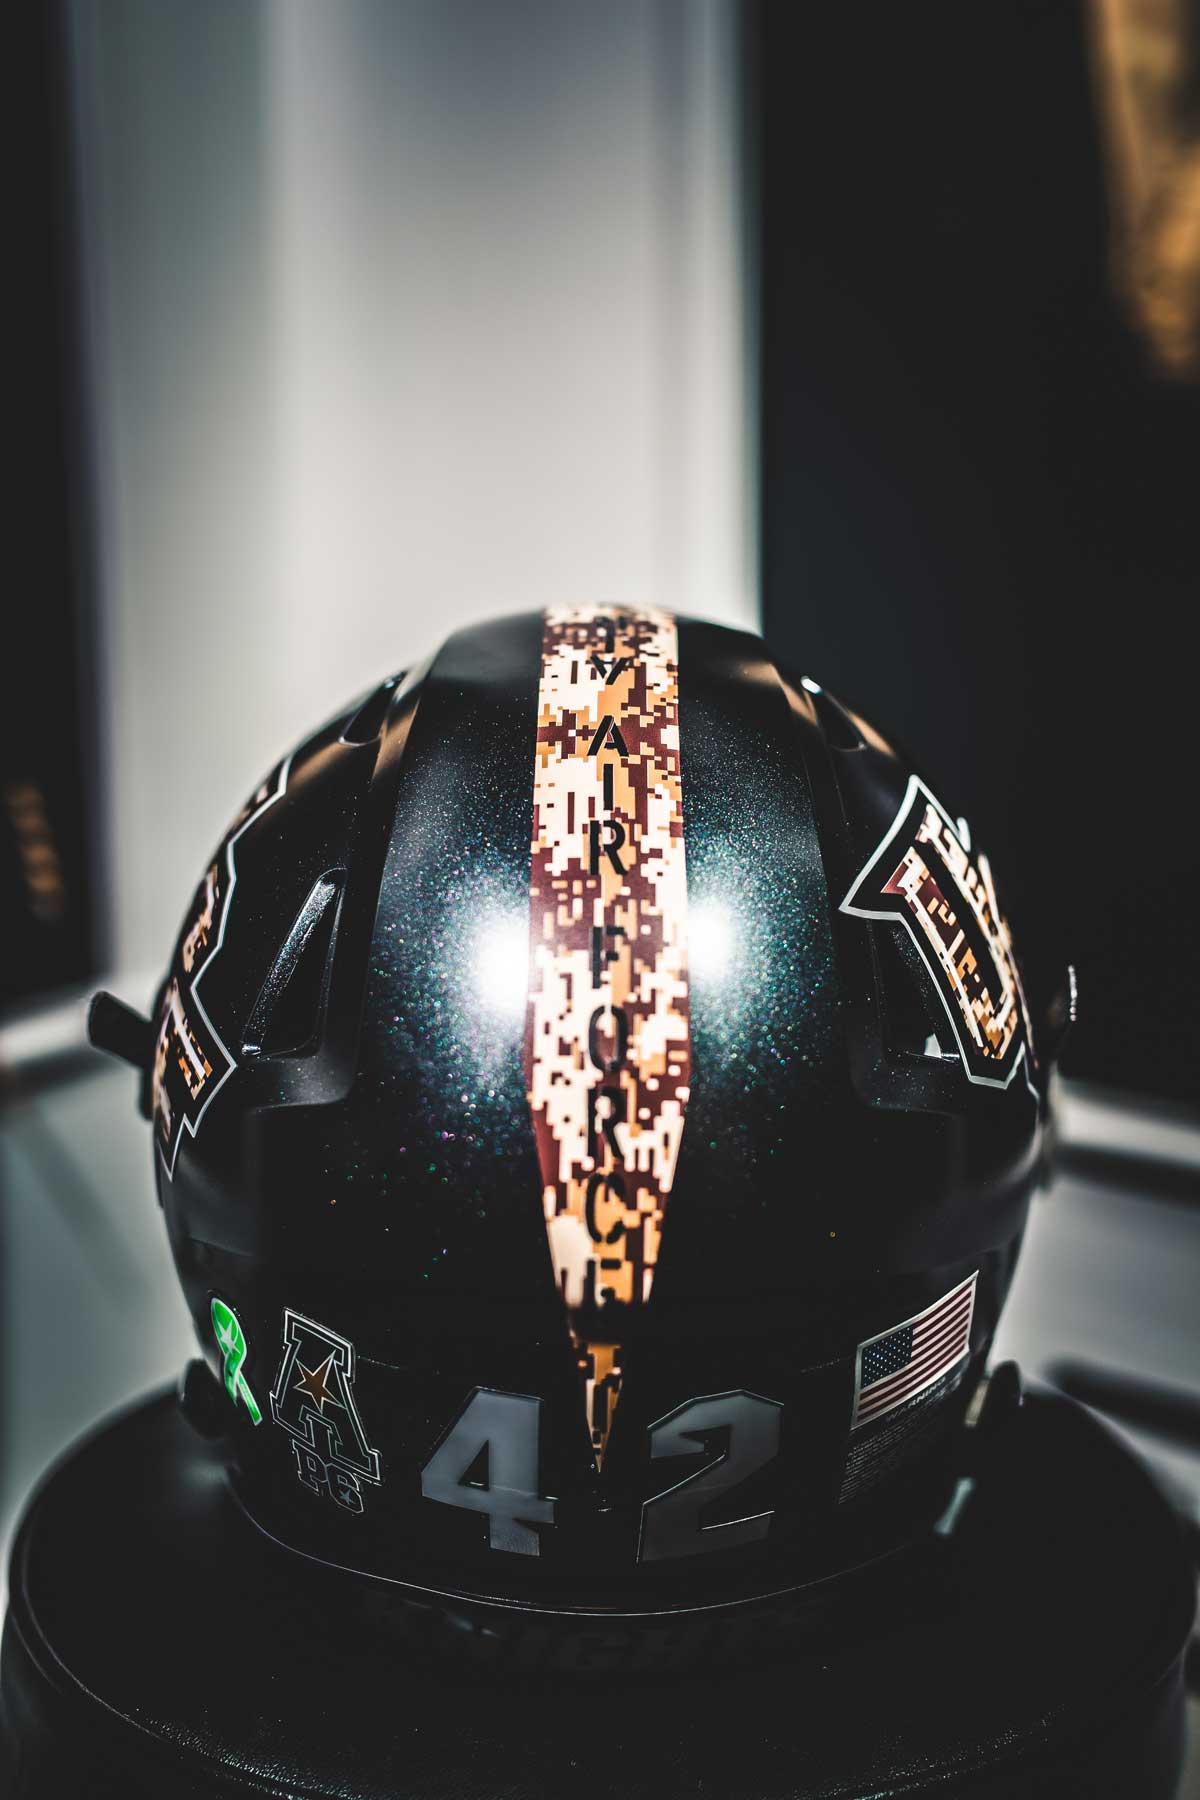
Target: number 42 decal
column 489, row 1462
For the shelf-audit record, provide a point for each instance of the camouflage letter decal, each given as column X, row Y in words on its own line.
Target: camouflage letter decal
column 190, row 1061
column 607, row 1046
column 923, row 877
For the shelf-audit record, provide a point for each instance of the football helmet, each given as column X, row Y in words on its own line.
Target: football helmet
column 595, row 1108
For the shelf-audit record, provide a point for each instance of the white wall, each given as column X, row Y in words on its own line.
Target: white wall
column 398, row 315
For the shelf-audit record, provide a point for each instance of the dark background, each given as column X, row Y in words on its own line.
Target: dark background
column 979, row 501
column 51, row 865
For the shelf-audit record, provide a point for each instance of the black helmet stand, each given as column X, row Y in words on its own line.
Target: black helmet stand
column 157, row 1647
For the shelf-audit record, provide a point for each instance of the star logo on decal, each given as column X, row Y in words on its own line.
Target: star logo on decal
column 315, row 1384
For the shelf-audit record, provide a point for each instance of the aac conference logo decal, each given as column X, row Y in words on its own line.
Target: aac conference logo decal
column 313, row 1401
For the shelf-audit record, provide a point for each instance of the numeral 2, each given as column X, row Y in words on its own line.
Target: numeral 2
column 671, row 1520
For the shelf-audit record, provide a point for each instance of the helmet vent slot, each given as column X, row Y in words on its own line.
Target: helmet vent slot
column 841, row 733
column 367, row 722
column 915, row 1022
column 286, row 1018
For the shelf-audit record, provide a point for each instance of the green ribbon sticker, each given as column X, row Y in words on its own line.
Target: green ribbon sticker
column 232, row 1341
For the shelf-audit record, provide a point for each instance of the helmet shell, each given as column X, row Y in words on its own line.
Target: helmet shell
column 572, row 1294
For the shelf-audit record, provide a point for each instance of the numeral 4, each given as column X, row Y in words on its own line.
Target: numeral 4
column 497, row 1436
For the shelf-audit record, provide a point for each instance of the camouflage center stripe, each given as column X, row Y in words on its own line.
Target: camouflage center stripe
column 607, row 1045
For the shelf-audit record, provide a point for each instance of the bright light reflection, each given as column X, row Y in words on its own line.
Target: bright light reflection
column 710, row 940
column 500, row 961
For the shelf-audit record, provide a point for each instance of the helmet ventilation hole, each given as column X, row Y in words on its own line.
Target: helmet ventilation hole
column 286, row 1018
column 915, row 1022
column 840, row 730
column 367, row 722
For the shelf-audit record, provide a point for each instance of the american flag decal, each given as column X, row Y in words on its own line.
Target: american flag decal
column 901, row 1363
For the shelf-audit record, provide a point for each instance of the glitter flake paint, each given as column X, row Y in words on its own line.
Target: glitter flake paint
column 607, row 1042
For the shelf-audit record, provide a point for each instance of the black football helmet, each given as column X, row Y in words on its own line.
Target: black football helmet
column 595, row 1110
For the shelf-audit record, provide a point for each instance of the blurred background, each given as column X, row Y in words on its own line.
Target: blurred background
column 874, row 328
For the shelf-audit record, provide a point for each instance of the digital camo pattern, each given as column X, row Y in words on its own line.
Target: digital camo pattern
column 190, row 1060
column 923, row 876
column 607, row 1046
